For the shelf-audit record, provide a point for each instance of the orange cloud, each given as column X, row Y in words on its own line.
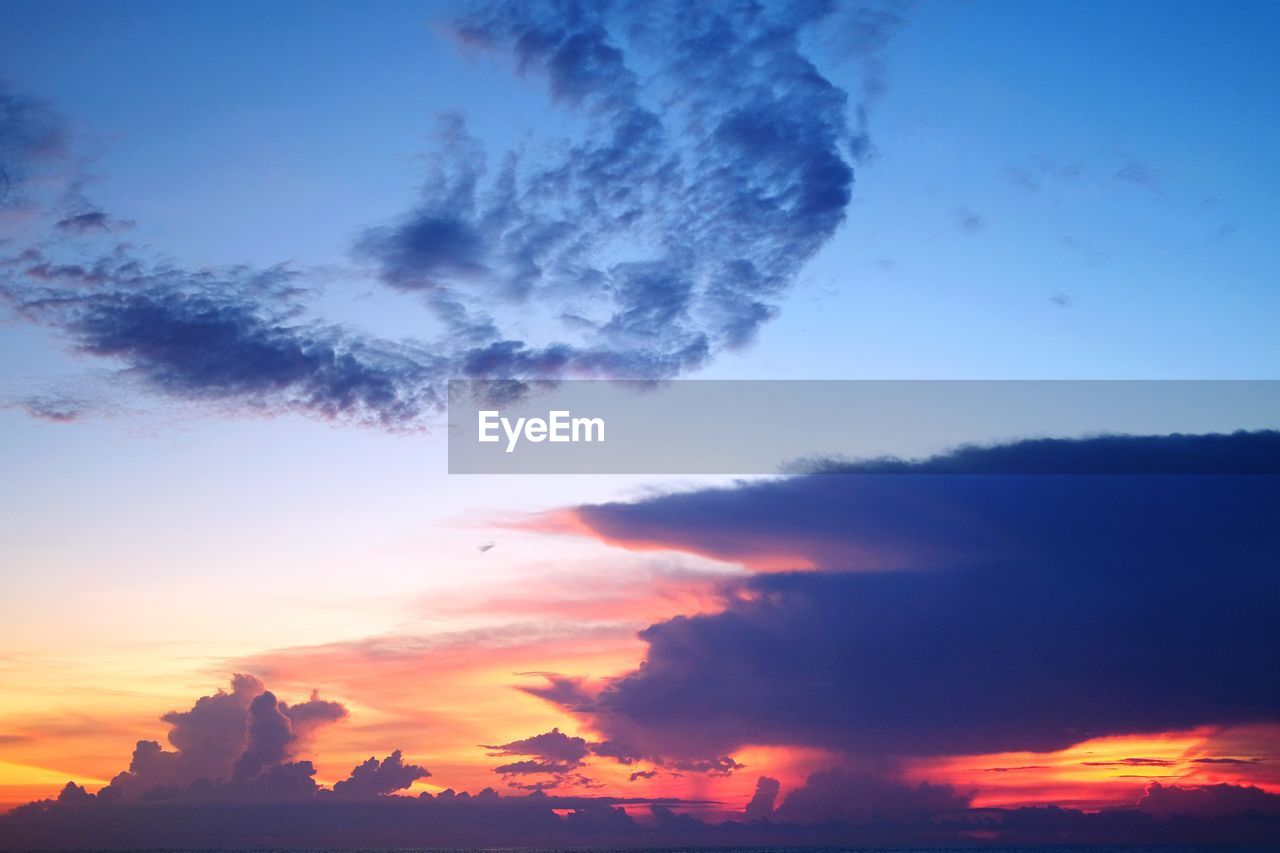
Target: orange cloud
column 1112, row 771
column 746, row 548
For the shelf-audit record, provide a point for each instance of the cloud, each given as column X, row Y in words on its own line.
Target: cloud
column 671, row 226
column 760, row 807
column 1208, row 800
column 33, row 141
column 227, row 336
column 970, row 222
column 552, row 752
column 250, row 792
column 1003, row 597
column 711, row 164
column 558, row 756
column 554, row 745
column 244, row 737
column 840, row 795
column 376, row 778
column 848, row 810
column 91, row 221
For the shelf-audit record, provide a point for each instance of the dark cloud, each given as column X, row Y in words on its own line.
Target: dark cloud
column 558, row 756
column 760, row 806
column 844, row 796
column 1208, row 800
column 670, row 227
column 1004, row 597
column 92, row 221
column 553, row 753
column 228, row 336
column 246, row 738
column 554, row 746
column 848, row 810
column 376, row 778
column 234, row 782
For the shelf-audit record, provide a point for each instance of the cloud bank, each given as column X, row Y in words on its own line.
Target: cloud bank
column 1039, row 611
column 234, row 780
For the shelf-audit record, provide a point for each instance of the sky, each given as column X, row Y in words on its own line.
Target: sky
column 242, row 248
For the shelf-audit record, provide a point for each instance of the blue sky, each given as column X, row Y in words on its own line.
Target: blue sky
column 1053, row 190
column 1116, row 156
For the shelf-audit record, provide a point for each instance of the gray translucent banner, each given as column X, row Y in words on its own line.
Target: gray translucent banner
column 769, row 426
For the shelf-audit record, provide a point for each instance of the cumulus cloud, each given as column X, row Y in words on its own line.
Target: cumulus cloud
column 376, row 778
column 760, row 807
column 245, row 736
column 1208, row 800
column 1003, row 598
column 233, row 781
column 844, row 796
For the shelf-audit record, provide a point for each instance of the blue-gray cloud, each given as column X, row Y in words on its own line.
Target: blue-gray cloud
column 1041, row 610
column 711, row 161
column 32, row 140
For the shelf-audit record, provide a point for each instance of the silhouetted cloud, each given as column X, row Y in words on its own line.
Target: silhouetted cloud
column 242, row 736
column 1208, row 800
column 843, row 796
column 234, row 782
column 848, row 811
column 376, row 778
column 760, row 806
column 1006, row 597
column 553, row 753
